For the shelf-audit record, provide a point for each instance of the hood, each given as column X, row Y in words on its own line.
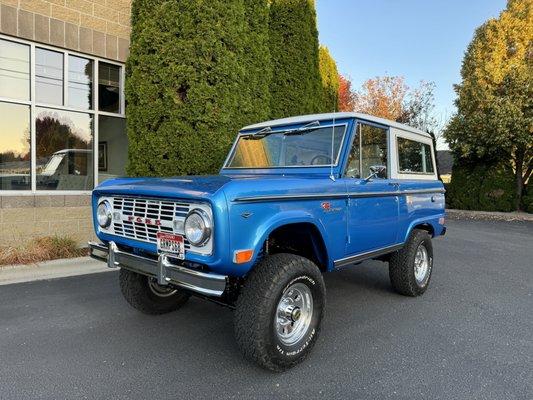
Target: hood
column 178, row 187
column 202, row 187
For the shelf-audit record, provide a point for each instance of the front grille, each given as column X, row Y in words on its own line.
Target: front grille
column 164, row 211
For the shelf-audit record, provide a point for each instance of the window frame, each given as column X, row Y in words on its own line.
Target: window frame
column 94, row 112
column 233, row 151
column 416, row 137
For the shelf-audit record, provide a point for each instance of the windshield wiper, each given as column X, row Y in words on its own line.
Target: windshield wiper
column 311, row 126
column 259, row 134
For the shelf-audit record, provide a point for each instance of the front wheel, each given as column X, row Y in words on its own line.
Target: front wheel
column 410, row 268
column 144, row 294
column 279, row 310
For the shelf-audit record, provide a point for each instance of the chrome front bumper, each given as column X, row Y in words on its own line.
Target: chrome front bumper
column 162, row 269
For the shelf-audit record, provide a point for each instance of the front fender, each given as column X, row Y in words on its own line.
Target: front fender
column 252, row 232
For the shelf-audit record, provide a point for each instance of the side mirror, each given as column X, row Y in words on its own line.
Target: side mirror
column 375, row 171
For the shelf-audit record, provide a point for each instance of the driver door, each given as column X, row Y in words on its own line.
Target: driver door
column 373, row 204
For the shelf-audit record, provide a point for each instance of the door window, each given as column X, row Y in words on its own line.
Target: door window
column 369, row 149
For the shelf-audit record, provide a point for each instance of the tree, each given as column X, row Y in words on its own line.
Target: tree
column 494, row 119
column 193, row 79
column 296, row 86
column 330, row 79
column 419, row 108
column 346, row 96
column 382, row 96
column 256, row 62
column 389, row 97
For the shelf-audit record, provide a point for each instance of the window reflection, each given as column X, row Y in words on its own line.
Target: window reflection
column 80, row 83
column 64, row 143
column 14, row 147
column 109, row 87
column 311, row 148
column 48, row 76
column 14, row 70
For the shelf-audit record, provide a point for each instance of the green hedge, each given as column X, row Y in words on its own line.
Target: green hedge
column 330, row 79
column 527, row 199
column 193, row 79
column 296, row 86
column 478, row 187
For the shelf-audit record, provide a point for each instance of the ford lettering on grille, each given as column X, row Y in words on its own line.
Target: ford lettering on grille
column 142, row 219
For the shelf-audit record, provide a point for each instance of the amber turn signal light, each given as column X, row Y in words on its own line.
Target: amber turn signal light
column 242, row 256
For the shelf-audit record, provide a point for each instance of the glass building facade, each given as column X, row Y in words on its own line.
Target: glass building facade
column 62, row 126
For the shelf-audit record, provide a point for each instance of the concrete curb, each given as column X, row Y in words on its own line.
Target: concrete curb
column 489, row 215
column 50, row 270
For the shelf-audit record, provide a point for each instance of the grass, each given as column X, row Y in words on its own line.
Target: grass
column 41, row 249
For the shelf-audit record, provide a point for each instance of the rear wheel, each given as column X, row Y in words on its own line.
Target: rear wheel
column 410, row 268
column 146, row 295
column 279, row 311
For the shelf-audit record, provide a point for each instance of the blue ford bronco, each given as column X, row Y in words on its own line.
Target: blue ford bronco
column 296, row 197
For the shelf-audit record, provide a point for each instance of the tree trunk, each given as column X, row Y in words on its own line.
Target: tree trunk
column 519, row 180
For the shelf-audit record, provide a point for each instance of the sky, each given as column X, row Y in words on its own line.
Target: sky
column 416, row 39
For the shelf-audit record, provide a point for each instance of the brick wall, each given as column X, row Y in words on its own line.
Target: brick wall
column 96, row 27
column 23, row 218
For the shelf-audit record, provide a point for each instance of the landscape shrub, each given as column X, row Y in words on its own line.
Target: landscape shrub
column 330, row 80
column 479, row 187
column 194, row 77
column 527, row 199
column 296, row 86
column 41, row 249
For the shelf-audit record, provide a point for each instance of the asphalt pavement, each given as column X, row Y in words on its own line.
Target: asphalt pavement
column 469, row 337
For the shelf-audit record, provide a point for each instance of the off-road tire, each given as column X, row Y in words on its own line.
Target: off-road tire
column 138, row 294
column 256, row 307
column 401, row 265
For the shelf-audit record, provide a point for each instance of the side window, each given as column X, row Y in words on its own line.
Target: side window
column 369, row 149
column 414, row 157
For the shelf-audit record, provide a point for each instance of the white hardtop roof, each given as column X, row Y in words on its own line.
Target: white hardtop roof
column 339, row 115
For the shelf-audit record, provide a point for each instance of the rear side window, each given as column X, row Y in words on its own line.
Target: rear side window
column 414, row 157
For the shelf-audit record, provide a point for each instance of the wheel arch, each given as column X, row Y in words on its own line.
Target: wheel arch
column 301, row 238
column 429, row 225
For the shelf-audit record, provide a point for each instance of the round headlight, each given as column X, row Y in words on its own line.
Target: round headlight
column 104, row 214
column 197, row 227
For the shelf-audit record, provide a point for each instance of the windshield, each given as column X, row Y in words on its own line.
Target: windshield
column 52, row 165
column 310, row 148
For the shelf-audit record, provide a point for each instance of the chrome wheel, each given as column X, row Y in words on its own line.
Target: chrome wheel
column 294, row 314
column 421, row 264
column 159, row 290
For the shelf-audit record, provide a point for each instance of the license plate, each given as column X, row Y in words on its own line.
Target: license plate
column 170, row 243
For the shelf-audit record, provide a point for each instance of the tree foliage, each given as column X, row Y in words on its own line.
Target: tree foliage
column 256, row 61
column 478, row 187
column 494, row 120
column 296, row 86
column 194, row 77
column 382, row 96
column 391, row 98
column 346, row 95
column 330, row 79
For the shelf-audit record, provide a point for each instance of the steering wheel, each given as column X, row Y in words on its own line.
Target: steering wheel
column 314, row 160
